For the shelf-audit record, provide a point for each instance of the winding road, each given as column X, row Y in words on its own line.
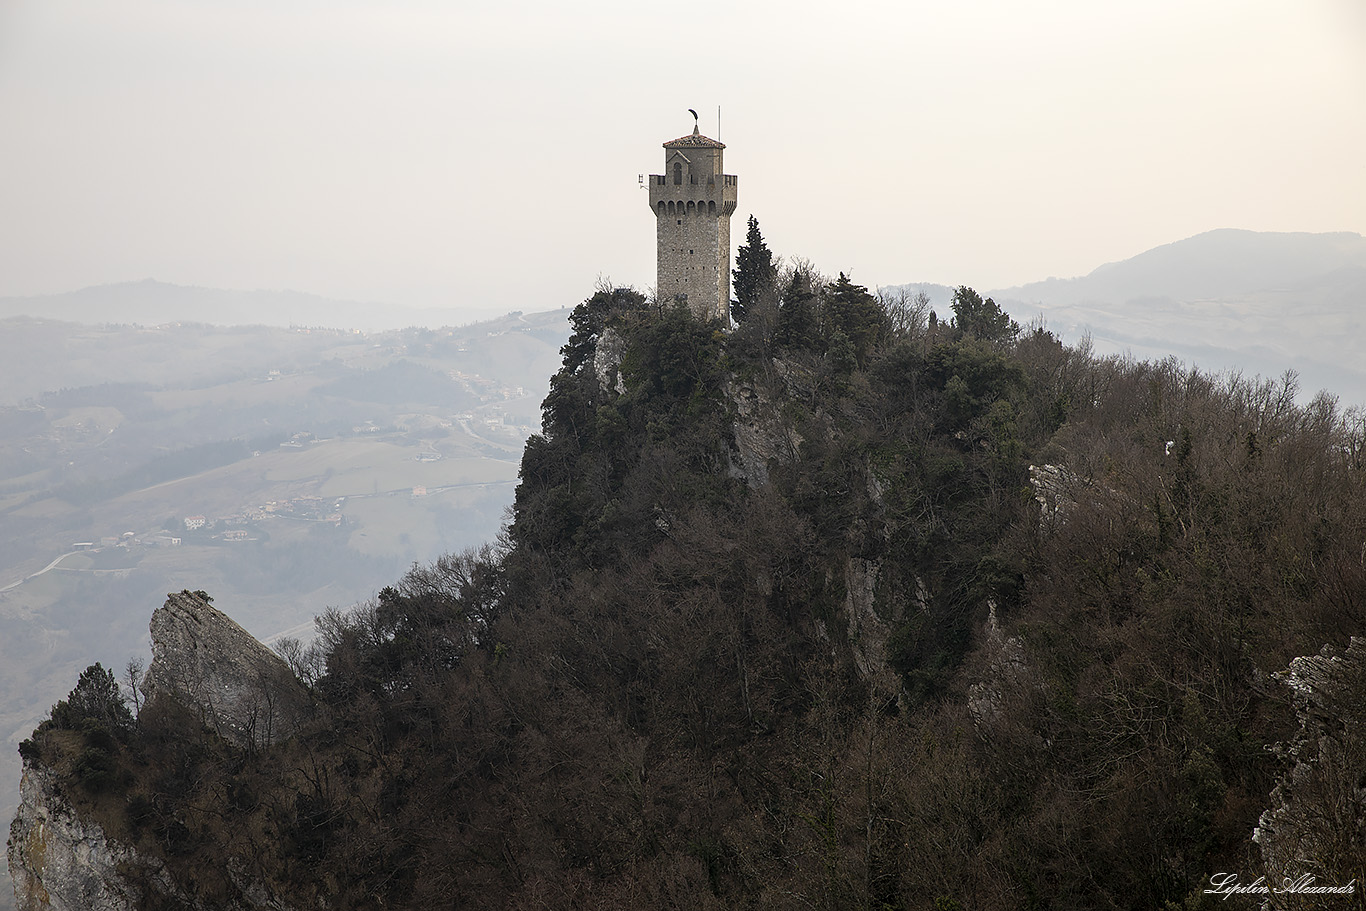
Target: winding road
column 48, row 568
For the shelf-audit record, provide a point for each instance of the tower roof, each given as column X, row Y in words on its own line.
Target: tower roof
column 695, row 141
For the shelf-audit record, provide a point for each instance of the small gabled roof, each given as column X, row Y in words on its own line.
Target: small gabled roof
column 695, row 141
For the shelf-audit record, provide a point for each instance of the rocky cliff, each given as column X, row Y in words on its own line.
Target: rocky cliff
column 1316, row 824
column 201, row 658
column 60, row 854
column 59, row 860
column 62, row 860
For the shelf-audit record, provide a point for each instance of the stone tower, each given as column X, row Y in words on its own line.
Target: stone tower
column 693, row 201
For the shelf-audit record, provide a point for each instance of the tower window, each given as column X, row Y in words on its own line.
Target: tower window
column 678, row 172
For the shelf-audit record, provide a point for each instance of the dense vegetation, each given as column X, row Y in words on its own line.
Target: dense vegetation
column 905, row 670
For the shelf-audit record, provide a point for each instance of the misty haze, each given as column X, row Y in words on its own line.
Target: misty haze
column 424, row 482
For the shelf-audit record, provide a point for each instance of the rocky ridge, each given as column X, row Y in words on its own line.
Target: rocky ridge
column 62, row 860
column 241, row 689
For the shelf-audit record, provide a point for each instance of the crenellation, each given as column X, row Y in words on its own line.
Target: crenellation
column 693, row 201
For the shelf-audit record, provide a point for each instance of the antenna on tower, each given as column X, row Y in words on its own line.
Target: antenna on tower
column 718, row 123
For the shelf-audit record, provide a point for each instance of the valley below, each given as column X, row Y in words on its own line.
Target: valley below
column 284, row 471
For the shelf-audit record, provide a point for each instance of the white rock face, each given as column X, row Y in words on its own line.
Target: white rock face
column 1005, row 671
column 60, row 862
column 1052, row 489
column 1316, row 823
column 242, row 689
column 867, row 631
column 607, row 356
column 761, row 435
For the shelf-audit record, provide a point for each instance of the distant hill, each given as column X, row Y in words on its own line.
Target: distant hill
column 154, row 303
column 43, row 355
column 940, row 296
column 1214, row 265
column 1259, row 302
column 1228, row 299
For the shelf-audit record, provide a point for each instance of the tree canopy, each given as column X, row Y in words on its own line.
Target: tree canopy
column 982, row 319
column 95, row 700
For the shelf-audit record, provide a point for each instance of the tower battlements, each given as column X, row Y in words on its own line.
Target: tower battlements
column 693, row 201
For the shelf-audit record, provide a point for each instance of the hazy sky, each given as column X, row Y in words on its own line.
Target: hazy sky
column 438, row 153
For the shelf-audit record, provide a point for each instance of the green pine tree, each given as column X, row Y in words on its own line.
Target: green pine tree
column 857, row 313
column 96, row 700
column 982, row 319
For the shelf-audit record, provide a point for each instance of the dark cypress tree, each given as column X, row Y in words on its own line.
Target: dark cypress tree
column 754, row 272
column 797, row 315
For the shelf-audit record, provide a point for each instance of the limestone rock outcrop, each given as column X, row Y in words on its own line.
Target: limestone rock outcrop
column 868, row 632
column 240, row 688
column 1004, row 674
column 607, row 355
column 1316, row 824
column 58, row 860
column 1052, row 486
column 761, row 434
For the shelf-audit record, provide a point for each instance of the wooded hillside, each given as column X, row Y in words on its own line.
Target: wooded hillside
column 855, row 606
